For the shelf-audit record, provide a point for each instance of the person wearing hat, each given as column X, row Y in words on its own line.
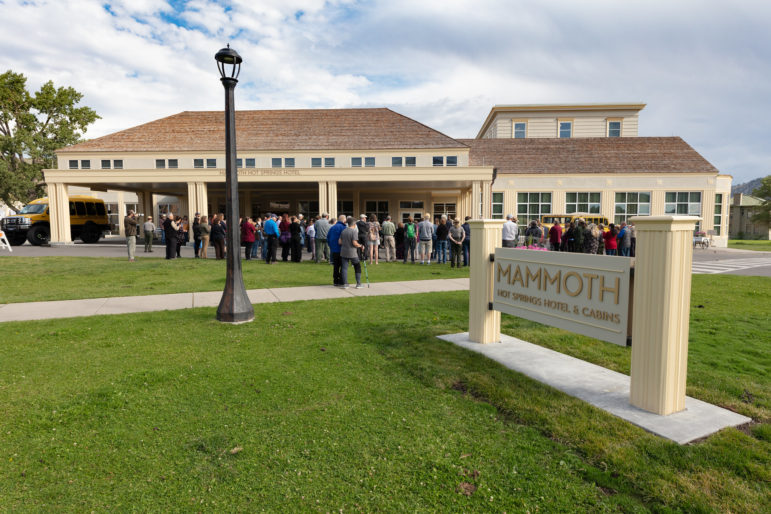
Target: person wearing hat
column 510, row 232
column 130, row 225
column 149, row 231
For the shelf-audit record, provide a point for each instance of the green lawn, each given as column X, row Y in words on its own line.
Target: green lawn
column 744, row 244
column 34, row 279
column 354, row 404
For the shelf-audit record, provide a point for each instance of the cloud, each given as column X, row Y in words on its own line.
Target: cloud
column 700, row 65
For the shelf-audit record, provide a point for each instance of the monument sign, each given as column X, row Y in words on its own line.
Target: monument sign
column 585, row 294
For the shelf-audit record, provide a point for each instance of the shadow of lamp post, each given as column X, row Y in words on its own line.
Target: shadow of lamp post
column 234, row 306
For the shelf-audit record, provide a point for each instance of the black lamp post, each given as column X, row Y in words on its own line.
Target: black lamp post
column 235, row 306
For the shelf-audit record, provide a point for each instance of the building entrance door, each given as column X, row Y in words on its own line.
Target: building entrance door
column 416, row 216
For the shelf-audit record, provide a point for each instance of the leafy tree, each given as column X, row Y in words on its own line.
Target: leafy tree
column 764, row 192
column 32, row 127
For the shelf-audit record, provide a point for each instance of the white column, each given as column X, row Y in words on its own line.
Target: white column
column 661, row 312
column 323, row 205
column 487, row 199
column 121, row 214
column 332, row 195
column 59, row 213
column 484, row 323
column 476, row 188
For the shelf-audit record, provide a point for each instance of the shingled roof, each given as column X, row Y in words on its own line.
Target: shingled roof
column 588, row 155
column 305, row 129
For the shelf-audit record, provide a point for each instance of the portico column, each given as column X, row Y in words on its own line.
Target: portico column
column 146, row 204
column 59, row 212
column 332, row 195
column 323, row 205
column 197, row 198
column 661, row 312
column 476, row 188
column 121, row 214
column 487, row 199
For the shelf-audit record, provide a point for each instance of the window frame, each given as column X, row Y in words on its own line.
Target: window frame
column 160, row 164
column 108, row 162
column 356, row 162
column 289, row 162
column 71, row 162
column 451, row 160
column 369, row 162
column 276, row 162
column 621, row 207
column 608, row 127
column 329, row 162
column 578, row 202
column 514, row 124
column 117, row 164
column 211, row 163
column 397, row 162
column 198, row 163
column 437, row 160
column 560, row 122
column 316, row 162
column 250, row 162
column 544, row 207
column 85, row 164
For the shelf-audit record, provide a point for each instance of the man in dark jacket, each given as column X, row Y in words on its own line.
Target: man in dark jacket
column 130, row 224
column 170, row 229
column 363, row 228
column 333, row 238
column 196, row 233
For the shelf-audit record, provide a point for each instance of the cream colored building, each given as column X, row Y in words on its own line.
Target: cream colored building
column 376, row 161
column 743, row 208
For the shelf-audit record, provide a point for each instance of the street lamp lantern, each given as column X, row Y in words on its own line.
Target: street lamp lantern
column 234, row 306
column 230, row 58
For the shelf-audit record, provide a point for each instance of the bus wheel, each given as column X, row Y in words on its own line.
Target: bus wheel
column 38, row 235
column 90, row 234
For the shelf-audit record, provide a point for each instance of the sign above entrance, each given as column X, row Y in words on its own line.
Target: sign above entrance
column 586, row 294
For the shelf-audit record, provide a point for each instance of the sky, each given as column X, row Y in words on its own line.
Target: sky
column 702, row 67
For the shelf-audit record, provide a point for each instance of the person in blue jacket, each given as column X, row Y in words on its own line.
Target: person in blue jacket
column 270, row 229
column 333, row 239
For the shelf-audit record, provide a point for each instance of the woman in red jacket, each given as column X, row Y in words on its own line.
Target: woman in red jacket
column 248, row 229
column 610, row 240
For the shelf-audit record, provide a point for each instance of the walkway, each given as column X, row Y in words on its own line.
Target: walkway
column 130, row 304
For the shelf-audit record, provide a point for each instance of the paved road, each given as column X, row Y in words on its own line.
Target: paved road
column 712, row 260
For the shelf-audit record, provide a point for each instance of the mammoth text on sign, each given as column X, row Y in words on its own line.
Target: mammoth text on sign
column 586, row 294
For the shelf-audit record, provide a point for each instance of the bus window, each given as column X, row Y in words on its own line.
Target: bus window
column 80, row 208
column 90, row 209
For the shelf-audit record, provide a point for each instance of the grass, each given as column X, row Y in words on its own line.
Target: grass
column 34, row 279
column 354, row 404
column 745, row 244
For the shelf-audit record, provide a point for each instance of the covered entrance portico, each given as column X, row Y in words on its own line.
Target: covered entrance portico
column 309, row 191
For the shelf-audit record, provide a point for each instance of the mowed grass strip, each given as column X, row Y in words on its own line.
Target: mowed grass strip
column 746, row 244
column 354, row 404
column 36, row 279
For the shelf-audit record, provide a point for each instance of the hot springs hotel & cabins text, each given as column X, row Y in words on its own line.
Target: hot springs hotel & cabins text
column 527, row 160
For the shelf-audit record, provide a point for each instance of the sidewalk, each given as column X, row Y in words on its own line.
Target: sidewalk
column 130, row 304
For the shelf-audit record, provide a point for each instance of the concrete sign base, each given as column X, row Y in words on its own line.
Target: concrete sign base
column 601, row 387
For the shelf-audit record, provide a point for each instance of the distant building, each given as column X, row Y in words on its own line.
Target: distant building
column 743, row 208
column 526, row 160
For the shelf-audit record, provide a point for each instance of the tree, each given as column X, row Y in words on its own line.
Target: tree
column 32, row 127
column 763, row 215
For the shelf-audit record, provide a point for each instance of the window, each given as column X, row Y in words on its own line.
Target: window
column 717, row 222
column 117, row 164
column 329, row 162
column 90, row 209
column 100, row 210
column 289, row 162
column 239, row 163
column 409, row 161
column 212, row 163
column 520, row 129
column 438, row 160
column 631, row 204
column 316, row 162
column 275, row 162
column 80, row 208
column 377, row 207
column 449, row 209
column 73, row 164
column 308, row 208
column 588, row 203
column 497, row 206
column 85, row 164
column 369, row 162
column 614, row 129
column 345, row 207
column 566, row 129
column 531, row 206
column 396, row 162
column 249, row 163
column 685, row 203
column 160, row 163
column 355, row 162
column 452, row 160
column 105, row 164
column 411, row 205
column 197, row 163
column 173, row 164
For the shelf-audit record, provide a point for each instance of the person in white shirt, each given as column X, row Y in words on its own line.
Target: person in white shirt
column 510, row 232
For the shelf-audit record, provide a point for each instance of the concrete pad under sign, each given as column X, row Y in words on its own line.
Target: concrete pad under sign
column 601, row 387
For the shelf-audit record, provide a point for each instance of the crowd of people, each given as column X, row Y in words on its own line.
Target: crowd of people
column 576, row 236
column 421, row 240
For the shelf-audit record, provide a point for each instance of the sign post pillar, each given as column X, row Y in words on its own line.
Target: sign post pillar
column 484, row 323
column 661, row 312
